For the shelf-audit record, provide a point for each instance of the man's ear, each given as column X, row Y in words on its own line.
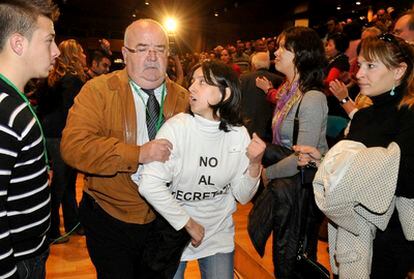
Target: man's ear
column 17, row 43
column 124, row 54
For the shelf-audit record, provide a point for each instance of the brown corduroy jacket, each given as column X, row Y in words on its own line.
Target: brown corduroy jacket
column 100, row 140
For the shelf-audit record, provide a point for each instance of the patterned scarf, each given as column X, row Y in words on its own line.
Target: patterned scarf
column 287, row 98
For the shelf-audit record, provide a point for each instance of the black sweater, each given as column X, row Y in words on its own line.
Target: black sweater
column 55, row 102
column 24, row 190
column 383, row 123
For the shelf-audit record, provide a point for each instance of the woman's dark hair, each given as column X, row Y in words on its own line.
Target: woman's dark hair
column 310, row 59
column 218, row 74
column 340, row 40
column 353, row 30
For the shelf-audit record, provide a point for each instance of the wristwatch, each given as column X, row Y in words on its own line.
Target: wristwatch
column 345, row 100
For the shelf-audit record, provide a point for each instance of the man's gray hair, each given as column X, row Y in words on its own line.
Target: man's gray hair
column 261, row 60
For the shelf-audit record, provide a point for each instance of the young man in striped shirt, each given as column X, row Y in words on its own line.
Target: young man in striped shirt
column 27, row 50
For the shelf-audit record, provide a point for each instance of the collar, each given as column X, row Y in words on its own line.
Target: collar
column 138, row 89
column 209, row 127
column 387, row 98
column 5, row 82
column 338, row 56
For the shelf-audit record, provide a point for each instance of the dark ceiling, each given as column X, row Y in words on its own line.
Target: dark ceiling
column 110, row 17
column 245, row 19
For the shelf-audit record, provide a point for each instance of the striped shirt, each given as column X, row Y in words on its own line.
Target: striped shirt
column 24, row 190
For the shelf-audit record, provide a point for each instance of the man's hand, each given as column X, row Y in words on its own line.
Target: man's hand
column 196, row 231
column 155, row 150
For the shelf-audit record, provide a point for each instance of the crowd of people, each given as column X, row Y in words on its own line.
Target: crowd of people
column 168, row 145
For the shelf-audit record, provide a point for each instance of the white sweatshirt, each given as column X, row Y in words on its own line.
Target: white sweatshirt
column 207, row 173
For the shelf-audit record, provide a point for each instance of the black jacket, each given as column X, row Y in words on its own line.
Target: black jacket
column 284, row 207
column 256, row 109
column 55, row 102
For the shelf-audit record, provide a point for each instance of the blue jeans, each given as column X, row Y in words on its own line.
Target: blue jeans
column 33, row 268
column 220, row 265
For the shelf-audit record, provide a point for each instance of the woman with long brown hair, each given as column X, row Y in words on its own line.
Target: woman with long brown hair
column 55, row 99
column 300, row 56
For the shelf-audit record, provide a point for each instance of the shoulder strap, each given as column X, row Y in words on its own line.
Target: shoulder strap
column 296, row 124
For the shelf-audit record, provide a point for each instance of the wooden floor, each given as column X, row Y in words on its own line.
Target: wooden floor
column 71, row 260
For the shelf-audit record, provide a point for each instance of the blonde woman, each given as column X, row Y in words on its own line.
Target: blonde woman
column 55, row 99
column 385, row 75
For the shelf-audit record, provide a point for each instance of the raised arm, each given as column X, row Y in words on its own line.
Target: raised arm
column 245, row 184
column 340, row 91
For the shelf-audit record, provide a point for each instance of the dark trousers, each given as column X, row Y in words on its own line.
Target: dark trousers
column 33, row 268
column 393, row 255
column 63, row 190
column 115, row 247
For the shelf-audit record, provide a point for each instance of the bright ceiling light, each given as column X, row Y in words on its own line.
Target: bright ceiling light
column 357, row 3
column 170, row 24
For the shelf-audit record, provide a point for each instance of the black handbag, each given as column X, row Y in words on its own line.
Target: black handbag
column 306, row 267
column 307, row 173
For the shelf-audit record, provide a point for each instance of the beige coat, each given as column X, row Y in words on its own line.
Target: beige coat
column 100, row 140
column 355, row 187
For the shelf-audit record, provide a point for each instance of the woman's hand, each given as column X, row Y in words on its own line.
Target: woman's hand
column 264, row 84
column 338, row 89
column 255, row 151
column 196, row 231
column 307, row 154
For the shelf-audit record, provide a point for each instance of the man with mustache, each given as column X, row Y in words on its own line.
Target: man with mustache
column 27, row 50
column 109, row 133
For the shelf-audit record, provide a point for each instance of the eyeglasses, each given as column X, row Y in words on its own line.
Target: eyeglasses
column 390, row 38
column 161, row 49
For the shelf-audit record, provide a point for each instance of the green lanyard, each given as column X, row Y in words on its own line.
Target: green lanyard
column 138, row 90
column 6, row 80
